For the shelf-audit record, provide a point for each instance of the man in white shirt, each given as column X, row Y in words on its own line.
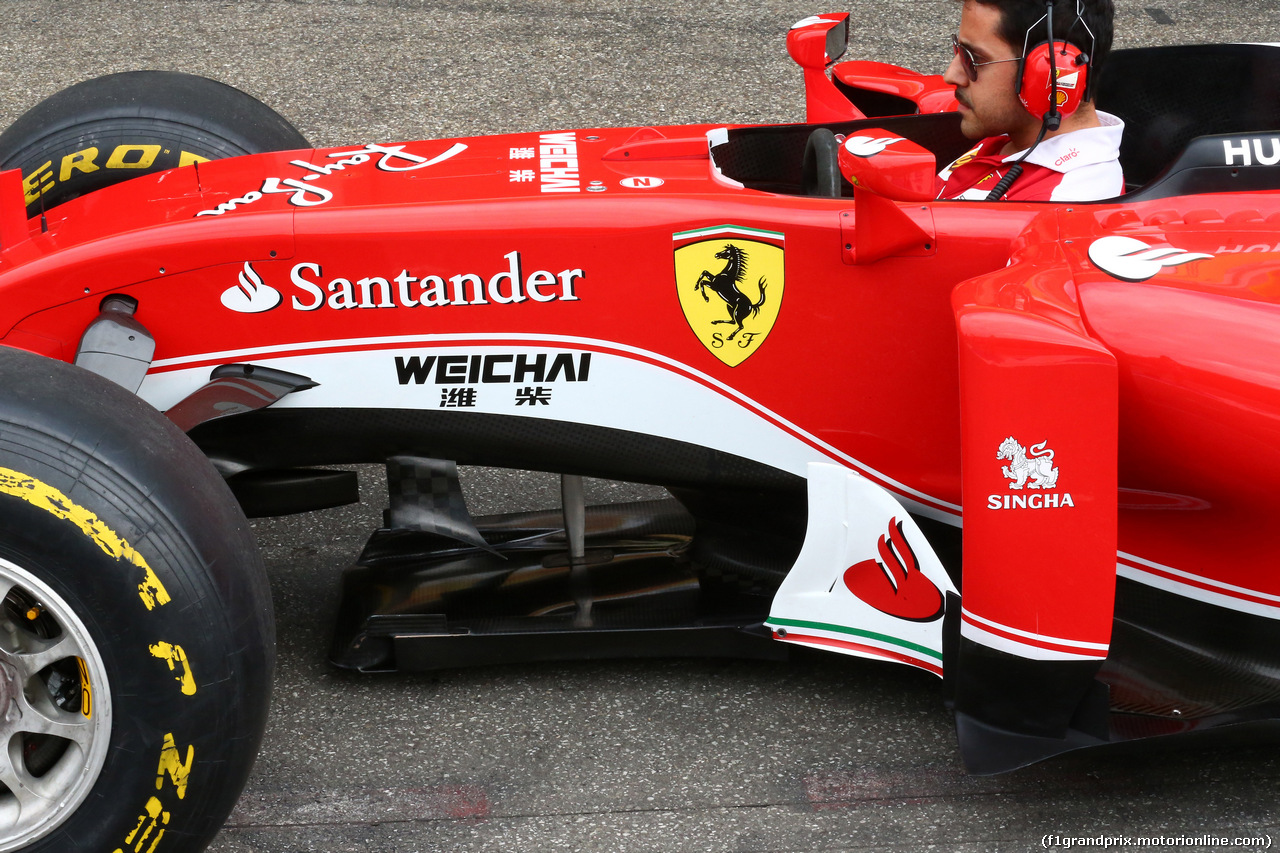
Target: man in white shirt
column 1067, row 153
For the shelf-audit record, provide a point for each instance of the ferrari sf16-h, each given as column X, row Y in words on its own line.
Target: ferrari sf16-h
column 1029, row 447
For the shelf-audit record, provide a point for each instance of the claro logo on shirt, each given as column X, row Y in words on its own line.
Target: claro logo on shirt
column 1067, row 158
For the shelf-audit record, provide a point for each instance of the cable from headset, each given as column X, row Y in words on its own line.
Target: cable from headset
column 1052, row 119
column 1015, row 171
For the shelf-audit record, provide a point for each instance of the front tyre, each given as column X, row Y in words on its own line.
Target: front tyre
column 136, row 639
column 109, row 129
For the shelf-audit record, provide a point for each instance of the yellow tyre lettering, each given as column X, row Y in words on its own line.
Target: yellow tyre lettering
column 147, row 833
column 172, row 765
column 153, row 817
column 133, row 156
column 150, row 828
column 39, row 182
column 86, row 690
column 36, row 493
column 80, row 161
column 187, row 158
column 173, row 655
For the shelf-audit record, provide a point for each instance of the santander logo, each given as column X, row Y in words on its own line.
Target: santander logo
column 1133, row 260
column 894, row 584
column 251, row 295
column 869, row 146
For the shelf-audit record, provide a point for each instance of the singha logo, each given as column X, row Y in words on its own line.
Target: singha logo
column 1032, row 469
column 725, row 285
column 1037, row 467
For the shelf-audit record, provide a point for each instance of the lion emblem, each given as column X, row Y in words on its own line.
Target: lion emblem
column 1037, row 466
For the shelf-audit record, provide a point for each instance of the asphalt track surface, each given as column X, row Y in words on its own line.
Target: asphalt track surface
column 821, row 753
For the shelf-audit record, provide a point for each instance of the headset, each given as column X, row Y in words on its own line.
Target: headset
column 1053, row 80
column 1053, row 76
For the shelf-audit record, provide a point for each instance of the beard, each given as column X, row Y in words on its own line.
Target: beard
column 970, row 125
column 994, row 119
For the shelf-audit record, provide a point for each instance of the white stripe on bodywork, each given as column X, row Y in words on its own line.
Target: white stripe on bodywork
column 627, row 391
column 1037, row 638
column 1023, row 650
column 1223, row 595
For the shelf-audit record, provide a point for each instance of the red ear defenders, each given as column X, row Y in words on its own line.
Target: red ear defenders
column 1035, row 78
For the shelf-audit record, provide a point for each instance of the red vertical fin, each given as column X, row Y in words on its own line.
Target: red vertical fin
column 1039, row 531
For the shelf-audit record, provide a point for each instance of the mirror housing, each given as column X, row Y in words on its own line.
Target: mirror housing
column 890, row 166
column 818, row 40
column 815, row 44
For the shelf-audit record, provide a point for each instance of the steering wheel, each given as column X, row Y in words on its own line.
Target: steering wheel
column 820, row 175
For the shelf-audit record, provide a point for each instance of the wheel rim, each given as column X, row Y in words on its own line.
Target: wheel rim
column 55, row 709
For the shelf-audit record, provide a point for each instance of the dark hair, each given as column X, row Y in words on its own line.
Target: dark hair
column 1019, row 16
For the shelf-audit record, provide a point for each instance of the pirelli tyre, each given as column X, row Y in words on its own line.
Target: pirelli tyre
column 136, row 635
column 110, row 129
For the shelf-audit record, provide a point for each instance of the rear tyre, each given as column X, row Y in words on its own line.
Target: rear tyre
column 136, row 638
column 110, row 129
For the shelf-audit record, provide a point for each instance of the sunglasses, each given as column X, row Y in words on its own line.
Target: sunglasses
column 967, row 62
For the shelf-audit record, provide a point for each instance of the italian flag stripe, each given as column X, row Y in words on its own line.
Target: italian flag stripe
column 737, row 229
column 841, row 629
column 863, row 649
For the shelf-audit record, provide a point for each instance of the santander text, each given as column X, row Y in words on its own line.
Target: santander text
column 510, row 284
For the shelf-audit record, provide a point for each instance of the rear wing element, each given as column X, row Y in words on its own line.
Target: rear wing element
column 860, row 88
column 815, row 43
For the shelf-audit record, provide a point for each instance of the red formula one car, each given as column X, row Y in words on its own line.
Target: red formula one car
column 831, row 373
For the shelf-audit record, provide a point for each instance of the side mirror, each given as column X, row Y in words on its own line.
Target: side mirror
column 815, row 43
column 889, row 166
column 819, row 40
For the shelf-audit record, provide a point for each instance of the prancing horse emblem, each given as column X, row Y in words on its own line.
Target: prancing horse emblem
column 725, row 284
column 715, row 261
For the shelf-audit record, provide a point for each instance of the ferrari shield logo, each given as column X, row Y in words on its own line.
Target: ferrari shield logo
column 730, row 280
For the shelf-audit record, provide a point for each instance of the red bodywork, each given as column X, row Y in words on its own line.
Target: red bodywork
column 907, row 339
column 862, row 358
